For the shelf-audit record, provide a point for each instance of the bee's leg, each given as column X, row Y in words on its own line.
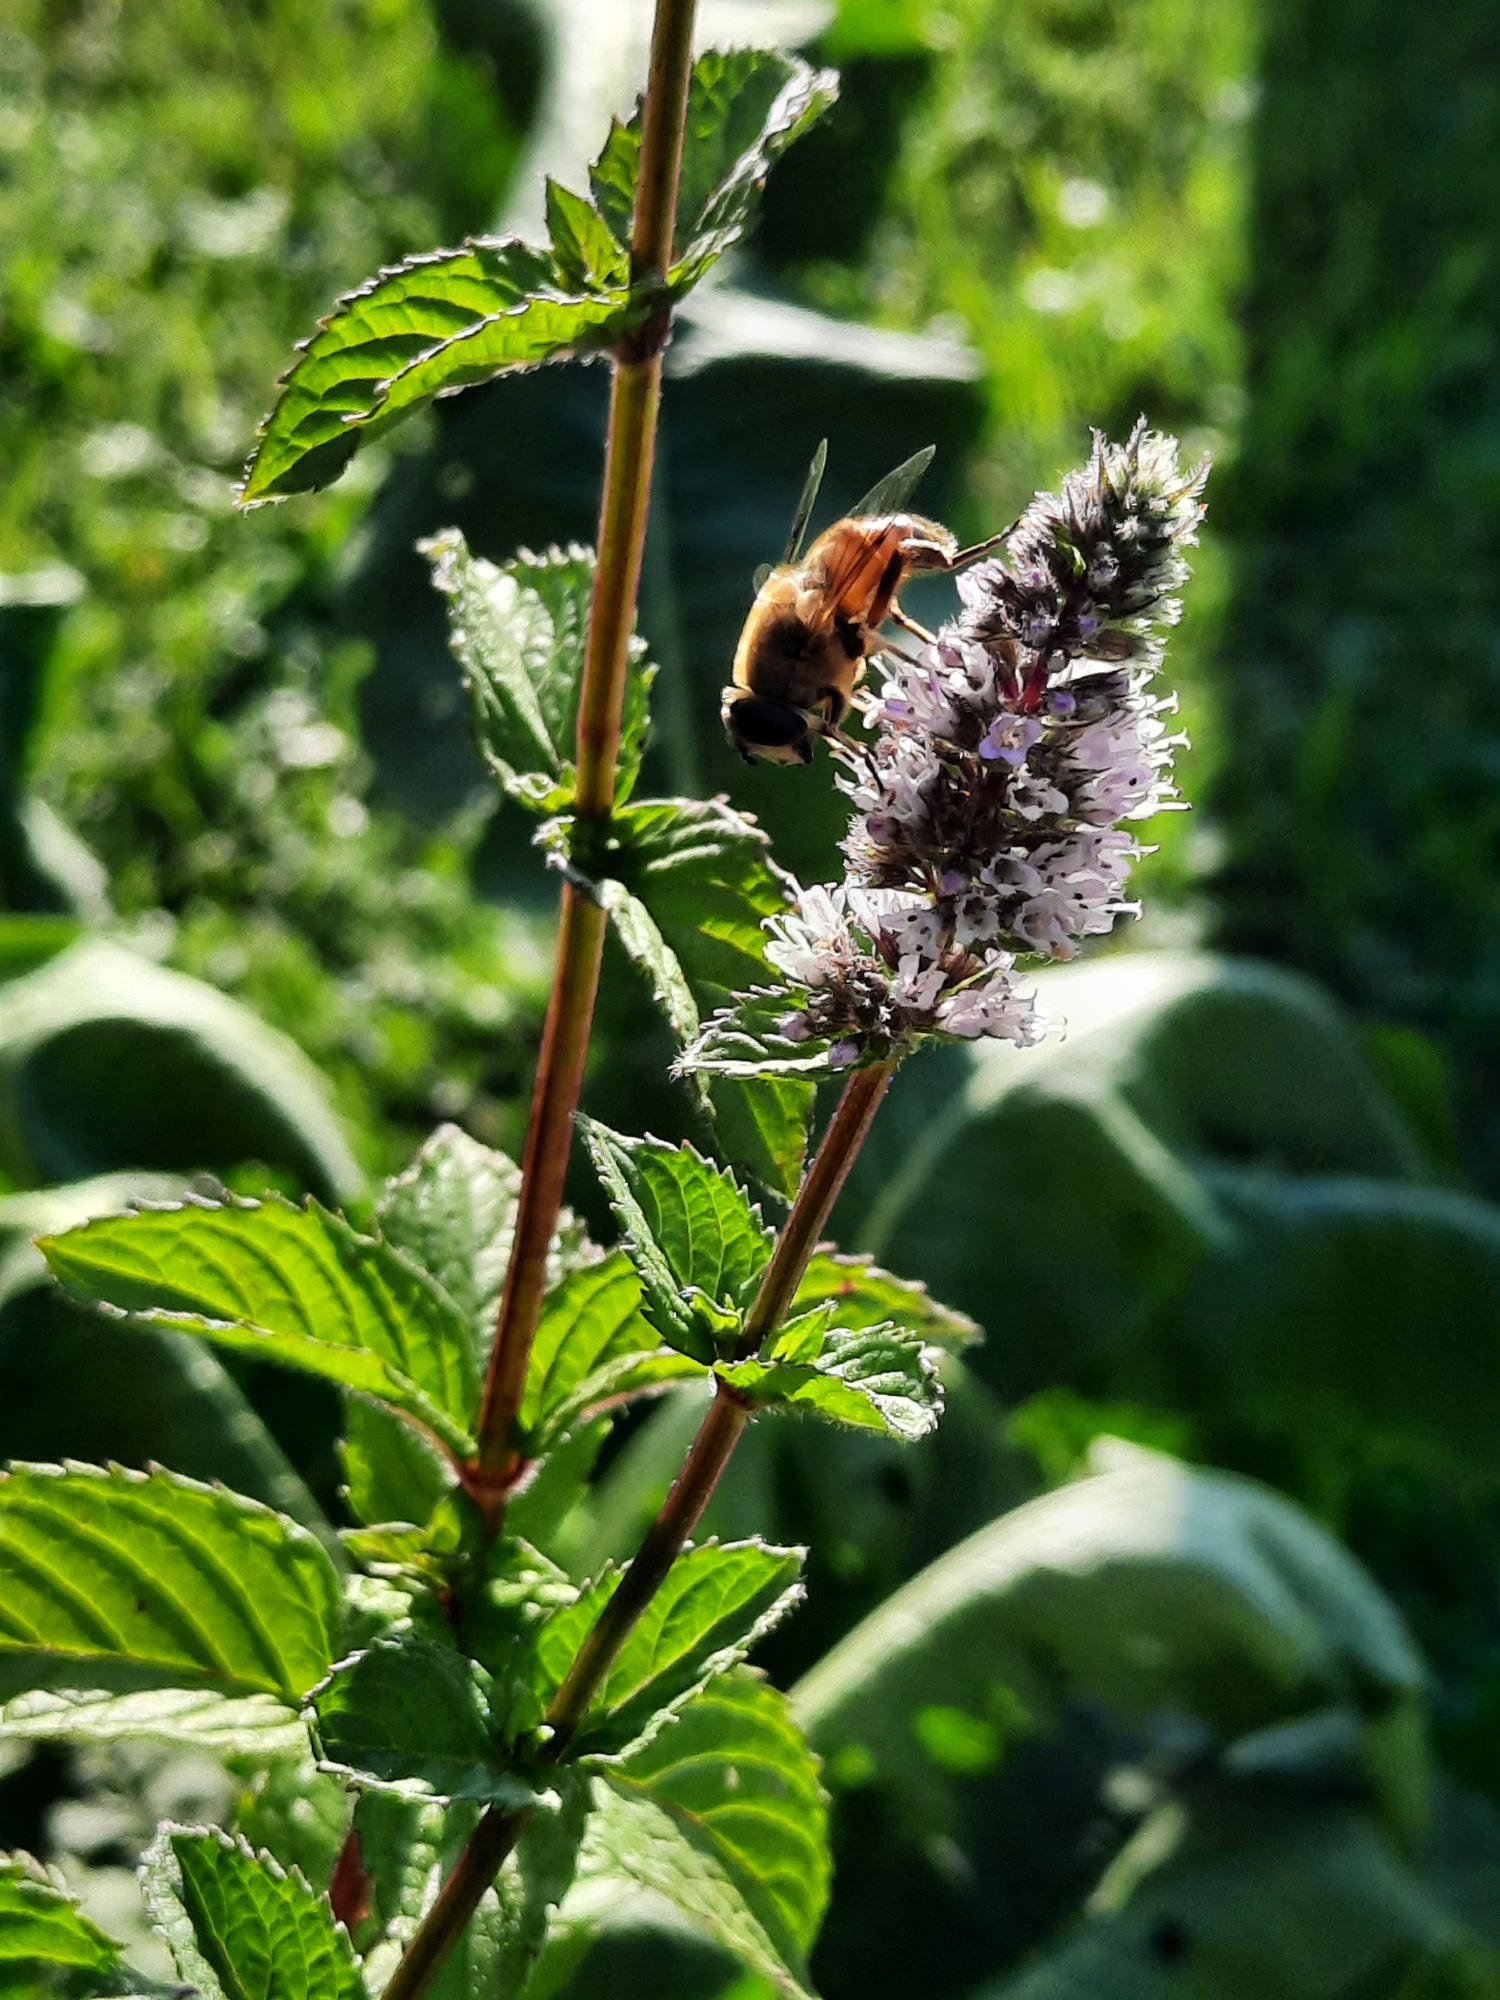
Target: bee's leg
column 977, row 549
column 899, row 617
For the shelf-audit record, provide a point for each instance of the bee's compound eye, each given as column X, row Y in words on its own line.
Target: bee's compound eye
column 762, row 727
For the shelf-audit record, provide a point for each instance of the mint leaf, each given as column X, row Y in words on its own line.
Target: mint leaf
column 723, row 1814
column 744, row 108
column 879, row 1378
column 409, row 1848
column 292, row 1285
column 693, row 1236
column 864, row 1296
column 253, row 1725
column 744, row 1041
column 518, row 632
column 588, row 255
column 435, row 323
column 44, row 1936
column 157, row 1573
column 592, row 1346
column 241, row 1927
column 391, row 1473
column 701, row 883
column 715, row 1603
column 453, row 1212
column 414, row 1718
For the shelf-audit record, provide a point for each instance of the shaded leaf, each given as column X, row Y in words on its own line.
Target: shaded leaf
column 43, row 1933
column 409, row 1848
column 416, row 330
column 592, row 1346
column 518, row 632
column 240, row 1926
column 745, row 107
column 158, row 1573
column 292, row 1285
column 744, row 1042
column 391, row 1472
column 414, row 1718
column 715, row 1603
column 880, row 1378
column 694, row 1238
column 1149, row 1586
column 703, row 875
column 864, row 1296
column 722, row 1813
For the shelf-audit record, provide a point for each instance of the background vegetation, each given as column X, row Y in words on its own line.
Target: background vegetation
column 266, row 923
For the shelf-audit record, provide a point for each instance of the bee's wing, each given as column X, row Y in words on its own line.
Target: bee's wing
column 805, row 506
column 853, row 564
column 890, row 495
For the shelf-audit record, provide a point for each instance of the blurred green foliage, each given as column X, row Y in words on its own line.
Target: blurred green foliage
column 1221, row 1220
column 182, row 191
column 1362, row 809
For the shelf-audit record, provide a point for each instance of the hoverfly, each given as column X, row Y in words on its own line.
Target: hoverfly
column 814, row 622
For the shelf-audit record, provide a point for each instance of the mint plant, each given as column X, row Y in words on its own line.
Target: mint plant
column 506, row 1731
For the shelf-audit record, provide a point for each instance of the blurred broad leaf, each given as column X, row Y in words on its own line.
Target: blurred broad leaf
column 46, row 1942
column 253, row 1725
column 518, row 632
column 715, row 1603
column 241, row 1927
column 1148, row 1586
column 414, row 1718
column 1232, row 1895
column 107, row 1063
column 693, row 1236
column 592, row 1347
column 723, row 1815
column 129, row 1578
column 292, row 1285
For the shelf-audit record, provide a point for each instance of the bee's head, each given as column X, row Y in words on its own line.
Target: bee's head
column 759, row 726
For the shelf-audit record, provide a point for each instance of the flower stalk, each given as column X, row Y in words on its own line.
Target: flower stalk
column 635, row 396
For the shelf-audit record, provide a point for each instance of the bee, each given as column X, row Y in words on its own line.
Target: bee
column 814, row 623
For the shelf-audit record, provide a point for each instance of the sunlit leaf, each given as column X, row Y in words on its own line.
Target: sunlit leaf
column 588, row 255
column 694, row 1238
column 592, row 1347
column 414, row 1718
column 452, row 1211
column 723, row 1814
column 293, row 1285
column 431, row 325
column 240, row 1926
column 160, row 1574
column 865, row 1296
column 44, row 1936
column 878, row 1378
column 715, row 1603
column 252, row 1725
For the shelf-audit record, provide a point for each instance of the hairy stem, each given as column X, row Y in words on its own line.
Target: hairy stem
column 635, row 395
column 499, row 1830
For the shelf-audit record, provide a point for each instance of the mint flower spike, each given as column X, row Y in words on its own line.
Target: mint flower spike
column 1009, row 763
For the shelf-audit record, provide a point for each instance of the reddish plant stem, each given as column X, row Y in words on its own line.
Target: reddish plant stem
column 635, row 397
column 500, row 1829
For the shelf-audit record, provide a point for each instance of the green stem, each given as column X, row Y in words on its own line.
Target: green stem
column 635, row 396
